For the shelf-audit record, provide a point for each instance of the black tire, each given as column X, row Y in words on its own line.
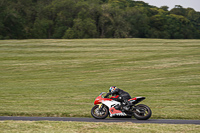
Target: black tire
column 144, row 112
column 99, row 114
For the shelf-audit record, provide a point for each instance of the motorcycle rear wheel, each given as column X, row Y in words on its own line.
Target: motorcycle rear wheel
column 143, row 112
column 99, row 113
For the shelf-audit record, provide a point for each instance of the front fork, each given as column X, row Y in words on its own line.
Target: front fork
column 100, row 106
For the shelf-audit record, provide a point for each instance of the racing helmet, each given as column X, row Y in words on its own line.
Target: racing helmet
column 112, row 88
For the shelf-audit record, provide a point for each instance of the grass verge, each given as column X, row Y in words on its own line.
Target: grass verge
column 85, row 127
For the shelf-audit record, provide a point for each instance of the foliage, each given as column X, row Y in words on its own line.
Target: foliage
column 94, row 19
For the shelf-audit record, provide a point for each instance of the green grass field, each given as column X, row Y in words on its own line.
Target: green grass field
column 85, row 127
column 63, row 77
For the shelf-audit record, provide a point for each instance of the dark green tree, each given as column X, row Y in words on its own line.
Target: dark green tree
column 21, row 19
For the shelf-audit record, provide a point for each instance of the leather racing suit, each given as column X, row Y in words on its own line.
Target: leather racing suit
column 123, row 96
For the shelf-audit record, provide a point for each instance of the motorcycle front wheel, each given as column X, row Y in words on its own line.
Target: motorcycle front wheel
column 99, row 113
column 143, row 112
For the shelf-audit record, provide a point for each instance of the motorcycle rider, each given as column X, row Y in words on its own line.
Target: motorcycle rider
column 123, row 96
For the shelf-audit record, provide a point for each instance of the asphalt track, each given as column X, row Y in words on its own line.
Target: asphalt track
column 155, row 121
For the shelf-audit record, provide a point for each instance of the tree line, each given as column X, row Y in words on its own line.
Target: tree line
column 70, row 19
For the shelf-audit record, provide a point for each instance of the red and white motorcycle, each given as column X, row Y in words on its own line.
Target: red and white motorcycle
column 109, row 106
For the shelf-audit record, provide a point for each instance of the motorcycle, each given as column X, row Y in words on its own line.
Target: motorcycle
column 110, row 106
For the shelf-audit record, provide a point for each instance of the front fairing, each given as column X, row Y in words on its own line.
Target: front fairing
column 111, row 103
column 101, row 98
column 98, row 100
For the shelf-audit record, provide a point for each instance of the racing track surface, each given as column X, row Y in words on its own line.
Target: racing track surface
column 157, row 121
